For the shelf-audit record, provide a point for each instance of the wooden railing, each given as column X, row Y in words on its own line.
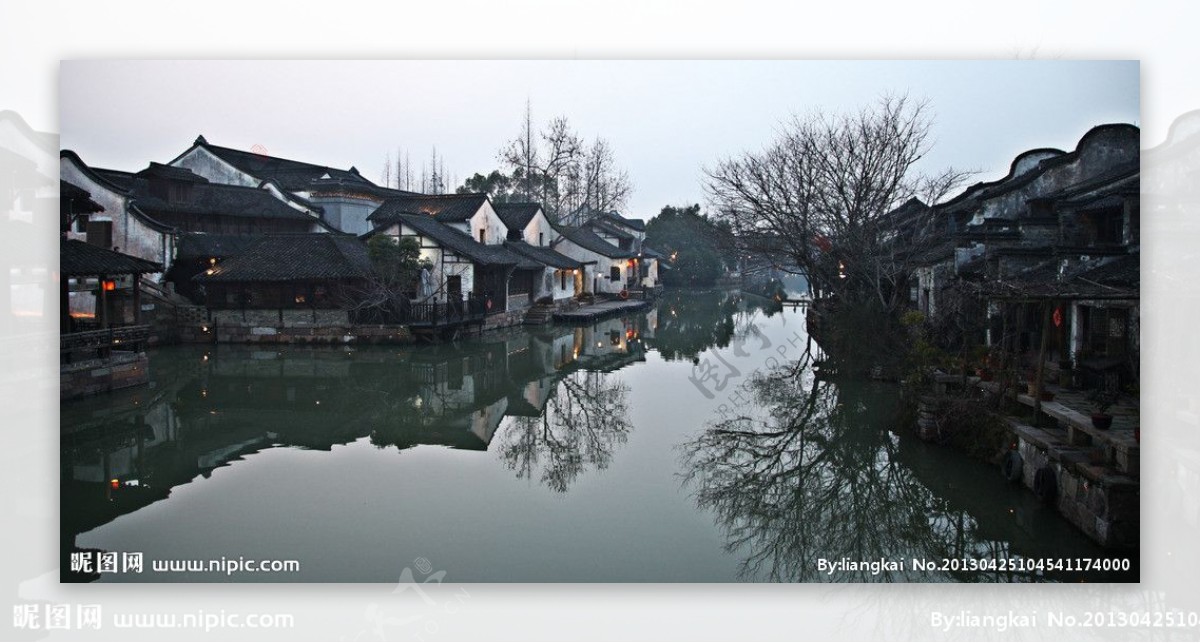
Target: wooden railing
column 472, row 308
column 468, row 309
column 102, row 342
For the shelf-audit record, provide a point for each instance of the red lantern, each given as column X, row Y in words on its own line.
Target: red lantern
column 1058, row 317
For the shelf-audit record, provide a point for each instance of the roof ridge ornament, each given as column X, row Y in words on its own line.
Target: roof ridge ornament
column 200, row 140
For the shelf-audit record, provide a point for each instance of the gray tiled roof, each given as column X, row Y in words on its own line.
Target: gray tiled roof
column 205, row 198
column 589, row 240
column 516, row 215
column 81, row 259
column 543, row 255
column 458, row 241
column 200, row 245
column 447, row 208
column 294, row 257
column 291, row 175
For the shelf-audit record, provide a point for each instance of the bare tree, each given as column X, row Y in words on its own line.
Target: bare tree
column 602, row 186
column 818, row 199
column 387, row 170
column 559, row 169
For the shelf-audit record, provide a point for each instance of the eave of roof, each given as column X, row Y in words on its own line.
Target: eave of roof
column 81, row 259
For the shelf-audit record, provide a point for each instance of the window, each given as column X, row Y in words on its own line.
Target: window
column 454, row 286
column 541, row 239
column 614, row 274
column 563, row 275
column 482, row 235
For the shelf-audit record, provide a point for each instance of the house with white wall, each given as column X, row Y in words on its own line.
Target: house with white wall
column 345, row 198
column 560, row 277
column 526, row 222
column 462, row 266
column 607, row 269
column 471, row 214
column 120, row 225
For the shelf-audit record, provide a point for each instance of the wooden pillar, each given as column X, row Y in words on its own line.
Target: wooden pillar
column 137, row 298
column 1039, row 374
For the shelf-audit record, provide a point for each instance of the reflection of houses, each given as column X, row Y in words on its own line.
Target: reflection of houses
column 211, row 406
column 1051, row 248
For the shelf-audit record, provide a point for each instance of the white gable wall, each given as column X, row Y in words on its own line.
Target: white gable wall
column 596, row 275
column 130, row 234
column 538, row 231
column 214, row 168
column 489, row 222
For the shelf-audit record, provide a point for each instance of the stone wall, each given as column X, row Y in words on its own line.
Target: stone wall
column 282, row 326
column 101, row 375
column 1103, row 504
column 505, row 319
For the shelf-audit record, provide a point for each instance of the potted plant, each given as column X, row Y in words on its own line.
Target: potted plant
column 1103, row 399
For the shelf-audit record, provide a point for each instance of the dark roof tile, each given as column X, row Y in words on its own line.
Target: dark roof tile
column 516, row 215
column 202, row 245
column 458, row 241
column 81, row 259
column 295, row 257
column 589, row 240
column 543, row 255
column 292, row 175
column 447, row 208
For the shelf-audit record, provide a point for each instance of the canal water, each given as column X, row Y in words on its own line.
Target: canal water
column 689, row 442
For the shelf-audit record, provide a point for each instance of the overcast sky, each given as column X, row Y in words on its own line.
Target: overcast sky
column 666, row 120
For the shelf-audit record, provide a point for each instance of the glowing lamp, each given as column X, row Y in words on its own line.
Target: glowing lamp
column 114, row 483
column 109, row 284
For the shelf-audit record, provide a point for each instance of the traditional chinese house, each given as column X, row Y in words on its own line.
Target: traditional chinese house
column 284, row 279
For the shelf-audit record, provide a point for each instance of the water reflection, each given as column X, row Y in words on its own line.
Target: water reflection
column 691, row 322
column 801, row 469
column 547, row 402
column 809, row 470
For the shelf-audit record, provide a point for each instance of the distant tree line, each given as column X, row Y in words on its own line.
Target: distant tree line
column 700, row 248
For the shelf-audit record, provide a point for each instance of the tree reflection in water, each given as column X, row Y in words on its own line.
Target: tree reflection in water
column 583, row 422
column 806, row 471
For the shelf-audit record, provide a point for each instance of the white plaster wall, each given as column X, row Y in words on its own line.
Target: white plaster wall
column 441, row 270
column 601, row 267
column 130, row 234
column 539, row 225
column 213, row 168
column 486, row 219
column 346, row 213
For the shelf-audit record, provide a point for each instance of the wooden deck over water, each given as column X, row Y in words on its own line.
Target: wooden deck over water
column 600, row 309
